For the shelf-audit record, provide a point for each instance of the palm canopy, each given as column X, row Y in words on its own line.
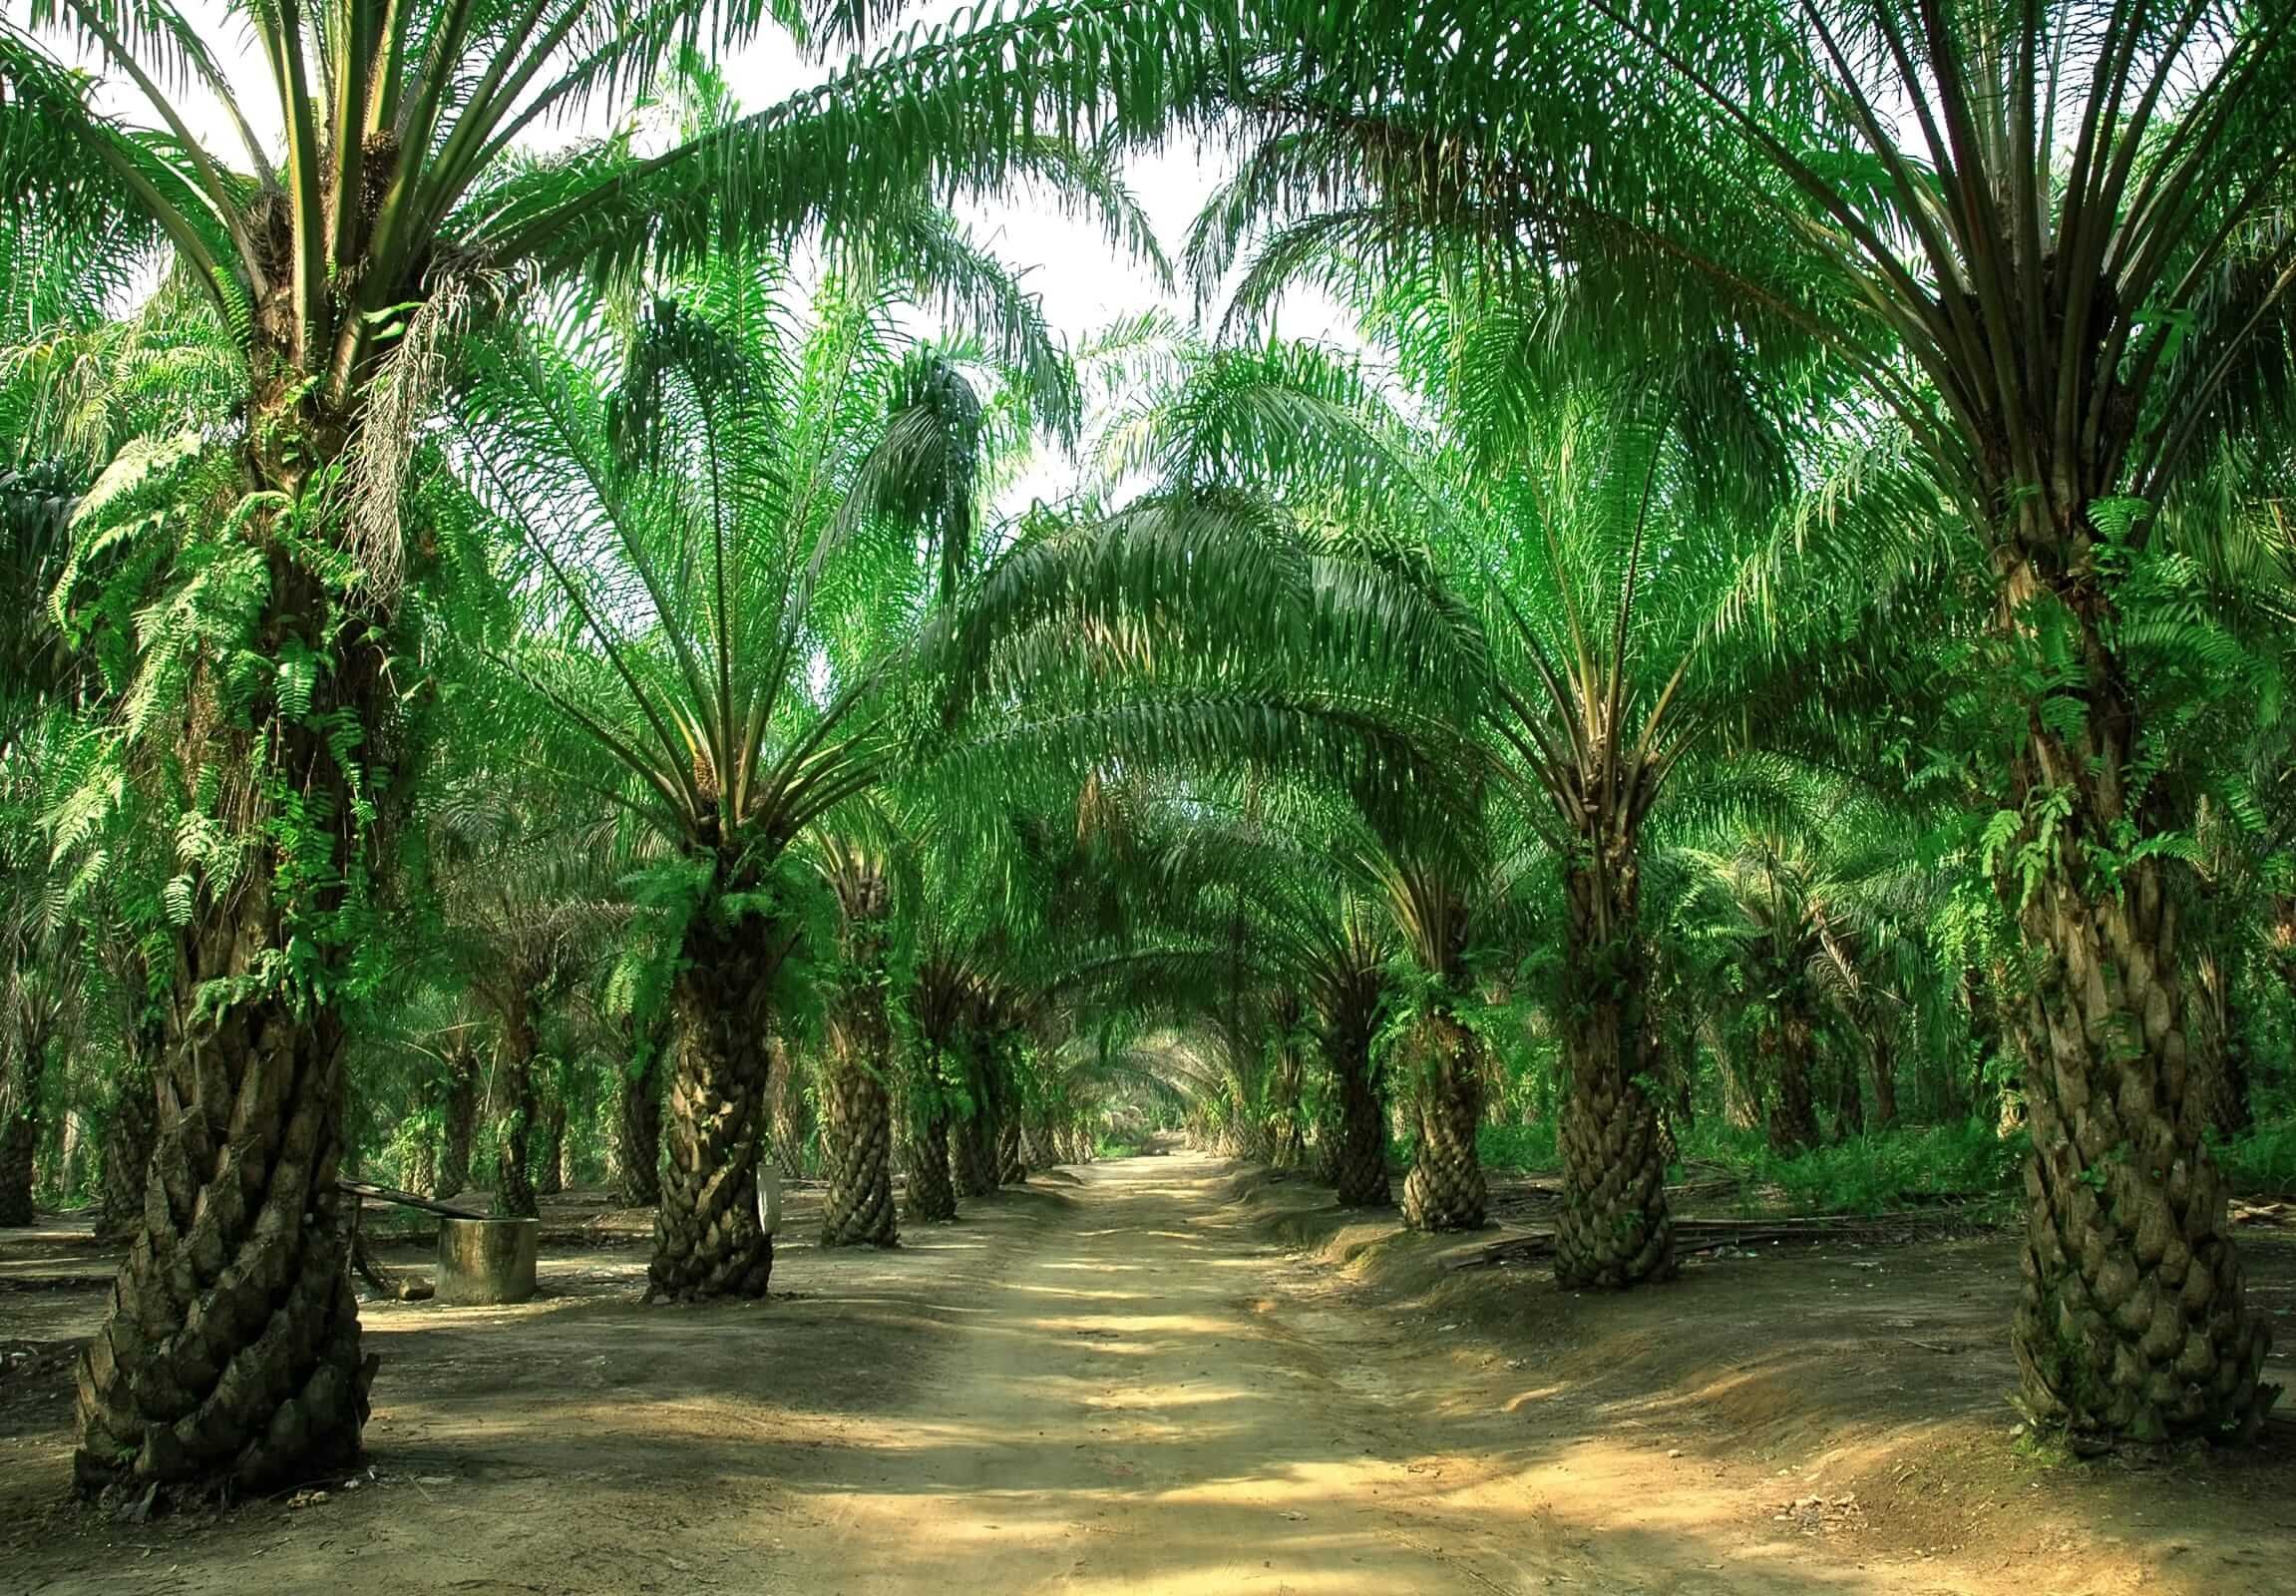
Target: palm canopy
column 1572, row 575
column 395, row 137
column 727, row 504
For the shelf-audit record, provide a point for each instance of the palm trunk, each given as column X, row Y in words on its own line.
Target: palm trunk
column 792, row 1110
column 1614, row 1229
column 931, row 1188
column 707, row 1239
column 637, row 1135
column 1786, row 1049
column 550, row 1165
column 230, row 1355
column 20, row 1123
column 972, row 1153
column 2133, row 1321
column 461, row 1122
column 128, row 1142
column 857, row 1135
column 1446, row 1189
column 514, row 1136
column 1360, row 1159
column 1012, row 1167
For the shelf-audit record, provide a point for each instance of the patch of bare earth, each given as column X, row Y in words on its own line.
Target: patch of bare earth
column 1137, row 1380
column 1822, row 1415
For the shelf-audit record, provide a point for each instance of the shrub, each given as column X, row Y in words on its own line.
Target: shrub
column 2261, row 1162
column 1877, row 1171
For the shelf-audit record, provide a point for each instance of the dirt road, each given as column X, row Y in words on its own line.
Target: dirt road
column 1155, row 1401
column 1115, row 1383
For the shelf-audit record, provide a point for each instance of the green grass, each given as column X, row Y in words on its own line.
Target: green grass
column 1517, row 1147
column 2261, row 1163
column 1882, row 1171
column 1115, row 1147
column 1876, row 1172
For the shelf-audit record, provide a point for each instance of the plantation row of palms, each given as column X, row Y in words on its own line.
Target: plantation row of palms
column 1790, row 591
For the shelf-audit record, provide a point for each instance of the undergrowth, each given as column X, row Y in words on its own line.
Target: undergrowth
column 1872, row 1172
column 2263, row 1161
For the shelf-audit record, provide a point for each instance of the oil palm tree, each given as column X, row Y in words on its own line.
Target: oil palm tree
column 1581, row 552
column 858, row 1064
column 524, row 914
column 376, row 199
column 719, row 512
column 2042, row 245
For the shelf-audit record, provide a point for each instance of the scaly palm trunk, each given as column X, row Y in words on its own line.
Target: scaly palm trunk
column 972, row 1153
column 857, row 1134
column 550, row 1164
column 1011, row 1166
column 462, row 1115
column 932, row 1187
column 128, row 1142
column 1446, row 1189
column 1614, row 1229
column 1785, row 1053
column 2133, row 1321
column 707, row 1239
column 637, row 1135
column 1360, row 1159
column 513, row 1135
column 229, row 1353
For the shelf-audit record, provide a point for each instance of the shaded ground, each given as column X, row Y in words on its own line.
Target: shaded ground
column 1130, row 1385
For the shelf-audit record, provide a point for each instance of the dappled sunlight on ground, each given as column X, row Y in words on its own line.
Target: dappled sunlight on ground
column 1125, row 1385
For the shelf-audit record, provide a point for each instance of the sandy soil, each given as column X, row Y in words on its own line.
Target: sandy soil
column 1159, row 1379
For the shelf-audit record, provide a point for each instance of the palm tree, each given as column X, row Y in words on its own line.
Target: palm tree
column 719, row 517
column 857, row 1072
column 1331, row 939
column 525, row 911
column 1581, row 555
column 2041, row 245
column 389, row 208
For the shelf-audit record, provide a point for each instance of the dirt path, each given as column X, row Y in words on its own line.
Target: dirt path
column 1115, row 1383
column 1156, row 1400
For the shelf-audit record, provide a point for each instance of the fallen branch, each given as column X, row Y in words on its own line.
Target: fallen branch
column 406, row 1199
